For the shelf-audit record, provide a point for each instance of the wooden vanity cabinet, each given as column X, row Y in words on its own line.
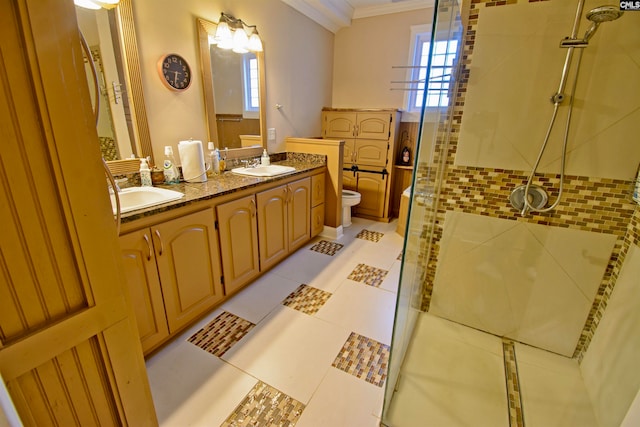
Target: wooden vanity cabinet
column 173, row 272
column 284, row 224
column 238, row 242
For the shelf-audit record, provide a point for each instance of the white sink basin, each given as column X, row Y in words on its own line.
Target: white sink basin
column 143, row 197
column 271, row 170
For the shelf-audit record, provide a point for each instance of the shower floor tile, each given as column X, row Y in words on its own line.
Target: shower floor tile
column 369, row 275
column 364, row 358
column 221, row 333
column 265, row 406
column 307, row 299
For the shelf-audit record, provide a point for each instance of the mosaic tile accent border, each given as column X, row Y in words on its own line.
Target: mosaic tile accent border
column 222, row 333
column 516, row 417
column 307, row 299
column 632, row 237
column 365, row 358
column 372, row 236
column 368, row 275
column 265, row 406
column 589, row 203
column 326, row 247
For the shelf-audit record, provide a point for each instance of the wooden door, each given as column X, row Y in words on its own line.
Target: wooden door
column 317, row 189
column 373, row 125
column 339, row 124
column 371, row 152
column 188, row 261
column 349, row 153
column 141, row 274
column 238, row 242
column 272, row 226
column 299, row 213
column 69, row 348
column 372, row 187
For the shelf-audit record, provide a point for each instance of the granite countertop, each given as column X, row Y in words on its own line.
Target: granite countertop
column 222, row 184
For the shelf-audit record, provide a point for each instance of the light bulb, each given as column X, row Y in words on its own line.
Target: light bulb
column 223, row 32
column 240, row 41
column 255, row 44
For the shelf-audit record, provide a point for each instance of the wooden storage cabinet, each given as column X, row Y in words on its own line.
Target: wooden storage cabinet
column 369, row 146
column 173, row 272
column 238, row 242
column 317, row 204
column 284, row 222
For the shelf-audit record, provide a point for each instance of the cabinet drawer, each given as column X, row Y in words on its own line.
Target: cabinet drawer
column 317, row 220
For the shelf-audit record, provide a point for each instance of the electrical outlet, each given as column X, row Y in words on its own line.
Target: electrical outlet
column 271, row 134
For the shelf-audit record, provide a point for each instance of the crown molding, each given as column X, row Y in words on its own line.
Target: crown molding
column 336, row 14
column 395, row 7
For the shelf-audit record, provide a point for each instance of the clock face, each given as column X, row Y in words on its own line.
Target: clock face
column 175, row 72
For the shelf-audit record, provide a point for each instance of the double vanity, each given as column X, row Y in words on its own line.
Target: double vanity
column 184, row 257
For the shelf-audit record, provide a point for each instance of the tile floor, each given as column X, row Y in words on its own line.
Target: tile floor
column 305, row 344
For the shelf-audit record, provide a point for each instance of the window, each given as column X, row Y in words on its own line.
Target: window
column 250, row 79
column 442, row 58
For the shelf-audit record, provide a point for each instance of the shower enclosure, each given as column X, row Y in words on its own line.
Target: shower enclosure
column 560, row 284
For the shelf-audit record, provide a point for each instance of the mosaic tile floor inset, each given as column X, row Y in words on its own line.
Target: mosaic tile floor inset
column 372, row 236
column 365, row 358
column 265, row 406
column 327, row 248
column 307, row 299
column 221, row 333
column 513, row 384
column 368, row 275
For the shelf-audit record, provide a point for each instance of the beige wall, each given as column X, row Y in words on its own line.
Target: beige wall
column 298, row 57
column 363, row 57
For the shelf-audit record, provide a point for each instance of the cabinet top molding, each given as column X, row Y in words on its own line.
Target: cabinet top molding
column 368, row 110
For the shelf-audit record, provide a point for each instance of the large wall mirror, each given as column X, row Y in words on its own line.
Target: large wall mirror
column 122, row 127
column 231, row 121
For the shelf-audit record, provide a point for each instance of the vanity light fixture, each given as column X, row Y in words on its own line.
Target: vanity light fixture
column 232, row 33
column 96, row 4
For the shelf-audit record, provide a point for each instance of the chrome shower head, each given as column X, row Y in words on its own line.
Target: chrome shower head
column 604, row 13
column 599, row 15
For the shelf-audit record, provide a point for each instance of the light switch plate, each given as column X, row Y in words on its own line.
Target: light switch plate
column 271, row 134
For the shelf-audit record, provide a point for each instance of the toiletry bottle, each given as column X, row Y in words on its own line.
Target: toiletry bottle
column 216, row 162
column 171, row 175
column 223, row 160
column 210, row 159
column 145, row 173
column 265, row 160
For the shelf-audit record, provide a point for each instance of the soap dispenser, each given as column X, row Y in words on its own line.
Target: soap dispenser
column 171, row 174
column 265, row 160
column 145, row 173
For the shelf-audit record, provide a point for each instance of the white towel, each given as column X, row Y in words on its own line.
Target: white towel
column 192, row 159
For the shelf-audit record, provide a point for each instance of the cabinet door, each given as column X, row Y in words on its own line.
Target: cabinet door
column 272, row 225
column 339, row 124
column 349, row 153
column 317, row 189
column 189, row 266
column 317, row 220
column 349, row 181
column 372, row 188
column 238, row 242
column 373, row 125
column 371, row 152
column 299, row 215
column 144, row 286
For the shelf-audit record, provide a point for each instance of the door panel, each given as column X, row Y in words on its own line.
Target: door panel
column 238, row 242
column 69, row 351
column 373, row 125
column 272, row 226
column 372, row 187
column 187, row 258
column 370, row 152
column 144, row 285
column 299, row 213
column 339, row 124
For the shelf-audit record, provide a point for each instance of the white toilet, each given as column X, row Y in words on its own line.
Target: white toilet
column 349, row 199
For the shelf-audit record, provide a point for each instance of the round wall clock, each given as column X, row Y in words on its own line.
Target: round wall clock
column 174, row 71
